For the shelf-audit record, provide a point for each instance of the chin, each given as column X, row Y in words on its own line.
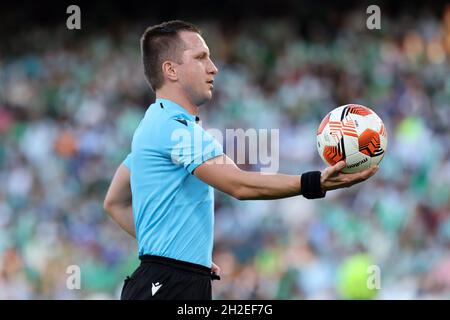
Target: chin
column 204, row 99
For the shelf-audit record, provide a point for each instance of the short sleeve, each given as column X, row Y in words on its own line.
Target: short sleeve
column 127, row 161
column 189, row 145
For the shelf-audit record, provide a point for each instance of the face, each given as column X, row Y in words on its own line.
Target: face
column 196, row 73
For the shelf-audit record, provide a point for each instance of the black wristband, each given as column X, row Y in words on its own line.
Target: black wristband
column 310, row 185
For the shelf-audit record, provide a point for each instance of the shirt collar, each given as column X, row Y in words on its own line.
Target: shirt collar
column 170, row 105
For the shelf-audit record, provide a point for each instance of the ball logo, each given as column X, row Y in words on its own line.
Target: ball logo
column 358, row 163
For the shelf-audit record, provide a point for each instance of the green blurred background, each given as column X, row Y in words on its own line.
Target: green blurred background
column 70, row 101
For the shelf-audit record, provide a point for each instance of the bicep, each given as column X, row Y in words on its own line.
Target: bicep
column 221, row 173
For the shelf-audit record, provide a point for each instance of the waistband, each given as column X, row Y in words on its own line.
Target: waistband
column 188, row 266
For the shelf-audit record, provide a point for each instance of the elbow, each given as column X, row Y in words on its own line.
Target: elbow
column 241, row 190
column 114, row 206
column 107, row 205
column 240, row 194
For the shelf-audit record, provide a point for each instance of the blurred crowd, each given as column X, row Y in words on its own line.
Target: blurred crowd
column 69, row 106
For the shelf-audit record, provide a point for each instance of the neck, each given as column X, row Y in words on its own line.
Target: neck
column 179, row 99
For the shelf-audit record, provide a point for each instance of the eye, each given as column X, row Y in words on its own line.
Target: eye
column 201, row 56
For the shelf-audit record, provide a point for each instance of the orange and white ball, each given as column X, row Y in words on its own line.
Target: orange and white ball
column 353, row 133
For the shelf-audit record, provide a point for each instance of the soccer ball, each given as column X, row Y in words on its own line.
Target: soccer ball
column 353, row 133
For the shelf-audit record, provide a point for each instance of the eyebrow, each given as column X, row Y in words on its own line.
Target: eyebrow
column 202, row 54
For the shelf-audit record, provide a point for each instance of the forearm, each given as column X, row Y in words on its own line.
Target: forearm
column 223, row 174
column 123, row 216
column 258, row 186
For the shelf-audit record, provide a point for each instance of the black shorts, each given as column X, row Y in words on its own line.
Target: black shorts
column 161, row 278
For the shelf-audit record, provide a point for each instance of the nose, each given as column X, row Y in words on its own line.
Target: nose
column 212, row 67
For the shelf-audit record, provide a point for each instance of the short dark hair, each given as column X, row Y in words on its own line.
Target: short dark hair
column 160, row 43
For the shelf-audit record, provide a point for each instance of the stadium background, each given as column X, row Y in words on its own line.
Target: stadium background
column 70, row 101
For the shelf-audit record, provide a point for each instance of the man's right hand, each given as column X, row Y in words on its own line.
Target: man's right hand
column 332, row 177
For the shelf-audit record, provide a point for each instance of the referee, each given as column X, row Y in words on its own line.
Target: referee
column 162, row 193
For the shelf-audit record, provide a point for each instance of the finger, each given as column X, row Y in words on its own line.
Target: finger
column 215, row 268
column 333, row 170
column 365, row 174
column 339, row 166
column 217, row 271
column 374, row 170
column 370, row 172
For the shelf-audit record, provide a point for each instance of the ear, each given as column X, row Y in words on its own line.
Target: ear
column 169, row 70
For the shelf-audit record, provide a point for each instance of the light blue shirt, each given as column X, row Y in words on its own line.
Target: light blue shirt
column 173, row 210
